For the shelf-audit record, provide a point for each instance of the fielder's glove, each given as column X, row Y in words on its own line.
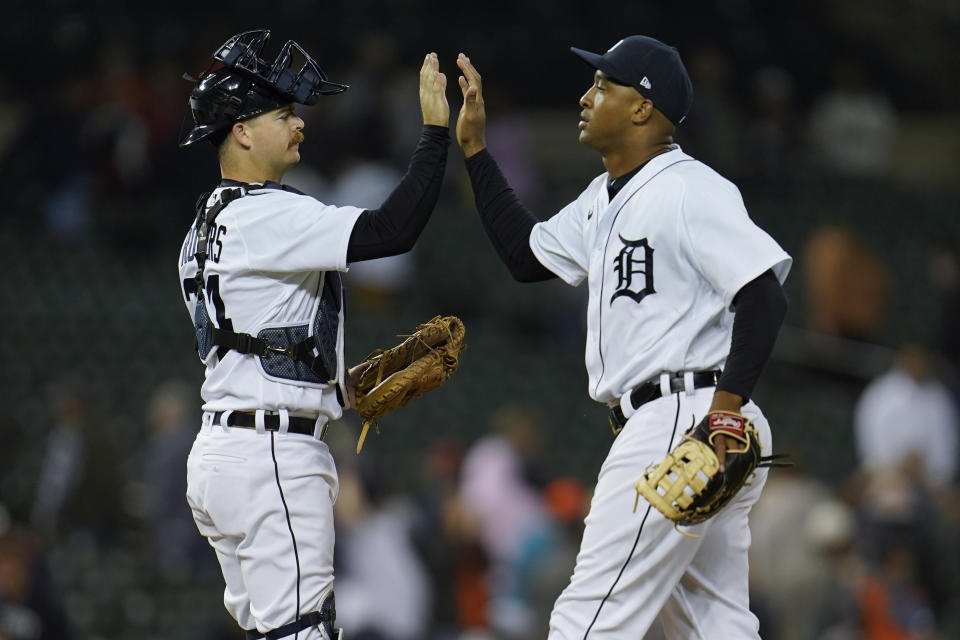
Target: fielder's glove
column 687, row 486
column 422, row 362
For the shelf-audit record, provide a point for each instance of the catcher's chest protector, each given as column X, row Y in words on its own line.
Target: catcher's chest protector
column 302, row 352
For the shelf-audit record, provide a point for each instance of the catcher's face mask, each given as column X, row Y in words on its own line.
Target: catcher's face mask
column 245, row 85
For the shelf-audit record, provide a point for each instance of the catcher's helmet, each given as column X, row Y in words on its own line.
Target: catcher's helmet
column 245, row 85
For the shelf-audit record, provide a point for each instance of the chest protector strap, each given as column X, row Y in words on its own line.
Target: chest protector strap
column 205, row 220
column 304, row 351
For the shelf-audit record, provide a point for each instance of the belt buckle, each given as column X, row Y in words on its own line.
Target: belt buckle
column 288, row 351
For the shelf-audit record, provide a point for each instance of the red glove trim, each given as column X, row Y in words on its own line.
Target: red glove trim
column 727, row 422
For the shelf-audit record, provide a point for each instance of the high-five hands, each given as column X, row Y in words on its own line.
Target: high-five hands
column 472, row 121
column 433, row 96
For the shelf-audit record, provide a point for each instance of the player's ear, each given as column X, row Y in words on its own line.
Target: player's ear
column 240, row 133
column 642, row 110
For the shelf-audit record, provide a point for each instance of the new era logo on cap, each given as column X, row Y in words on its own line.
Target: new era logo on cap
column 645, row 83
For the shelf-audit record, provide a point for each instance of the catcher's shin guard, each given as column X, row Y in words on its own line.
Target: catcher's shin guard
column 325, row 618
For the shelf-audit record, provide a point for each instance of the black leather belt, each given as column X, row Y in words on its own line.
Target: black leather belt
column 651, row 391
column 271, row 422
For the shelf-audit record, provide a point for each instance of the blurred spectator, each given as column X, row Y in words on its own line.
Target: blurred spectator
column 712, row 131
column 906, row 435
column 893, row 603
column 513, row 524
column 173, row 420
column 853, row 126
column 944, row 269
column 831, row 531
column 567, row 502
column 381, row 85
column 115, row 134
column 13, row 116
column 365, row 178
column 80, row 481
column 902, row 593
column 30, row 608
column 383, row 76
column 115, row 128
column 446, row 539
column 382, row 587
column 508, row 135
column 471, row 566
column 58, row 191
column 771, row 134
column 907, row 418
column 847, row 287
column 786, row 565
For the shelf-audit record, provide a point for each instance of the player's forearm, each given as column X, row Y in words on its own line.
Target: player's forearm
column 726, row 401
column 394, row 227
column 759, row 310
column 507, row 222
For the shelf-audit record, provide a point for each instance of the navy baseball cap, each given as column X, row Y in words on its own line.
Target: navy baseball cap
column 652, row 68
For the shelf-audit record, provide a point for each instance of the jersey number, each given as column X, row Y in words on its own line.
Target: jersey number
column 213, row 294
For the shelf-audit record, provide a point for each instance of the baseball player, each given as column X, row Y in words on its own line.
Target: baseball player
column 261, row 278
column 685, row 303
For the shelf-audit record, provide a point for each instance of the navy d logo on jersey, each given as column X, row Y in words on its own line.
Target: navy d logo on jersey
column 634, row 268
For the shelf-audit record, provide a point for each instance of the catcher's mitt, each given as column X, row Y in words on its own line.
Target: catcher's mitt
column 419, row 364
column 687, row 486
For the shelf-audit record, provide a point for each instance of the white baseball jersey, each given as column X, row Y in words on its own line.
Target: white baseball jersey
column 271, row 254
column 664, row 260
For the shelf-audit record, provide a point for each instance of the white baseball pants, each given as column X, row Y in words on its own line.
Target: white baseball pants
column 634, row 568
column 264, row 501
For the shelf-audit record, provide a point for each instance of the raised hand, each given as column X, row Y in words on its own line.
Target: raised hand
column 433, row 96
column 472, row 121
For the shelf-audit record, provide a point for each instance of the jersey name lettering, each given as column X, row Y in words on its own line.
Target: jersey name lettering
column 628, row 264
column 215, row 241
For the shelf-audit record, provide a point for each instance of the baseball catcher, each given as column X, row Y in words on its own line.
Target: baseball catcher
column 388, row 379
column 261, row 278
column 690, row 484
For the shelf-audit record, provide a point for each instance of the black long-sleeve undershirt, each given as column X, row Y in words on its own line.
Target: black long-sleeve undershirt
column 759, row 309
column 394, row 228
column 507, row 222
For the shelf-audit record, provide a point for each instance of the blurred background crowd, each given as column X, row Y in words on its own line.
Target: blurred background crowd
column 840, row 122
